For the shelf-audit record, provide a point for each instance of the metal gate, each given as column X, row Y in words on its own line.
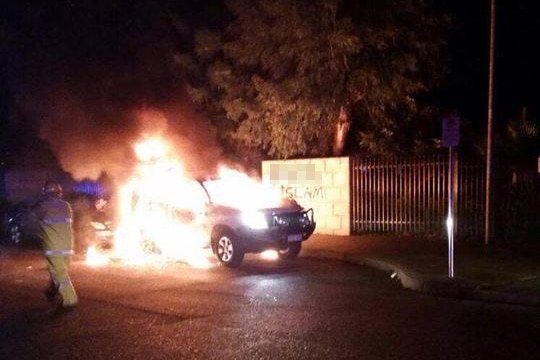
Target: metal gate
column 410, row 195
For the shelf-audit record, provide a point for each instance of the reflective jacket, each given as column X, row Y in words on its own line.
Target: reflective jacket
column 55, row 217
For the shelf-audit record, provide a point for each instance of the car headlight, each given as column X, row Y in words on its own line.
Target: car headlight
column 254, row 220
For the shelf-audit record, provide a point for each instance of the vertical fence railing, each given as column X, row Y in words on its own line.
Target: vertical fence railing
column 517, row 204
column 470, row 198
column 410, row 195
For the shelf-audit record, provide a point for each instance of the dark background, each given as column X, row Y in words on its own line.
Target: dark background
column 113, row 55
column 48, row 42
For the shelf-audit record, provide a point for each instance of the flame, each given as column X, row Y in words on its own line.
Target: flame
column 150, row 149
column 161, row 210
column 269, row 255
column 94, row 258
column 158, row 211
column 236, row 189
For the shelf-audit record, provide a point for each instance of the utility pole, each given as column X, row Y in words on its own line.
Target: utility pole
column 489, row 150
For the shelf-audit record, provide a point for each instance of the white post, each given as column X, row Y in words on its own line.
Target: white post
column 450, row 218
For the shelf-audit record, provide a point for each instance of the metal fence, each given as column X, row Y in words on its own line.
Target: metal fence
column 517, row 204
column 411, row 195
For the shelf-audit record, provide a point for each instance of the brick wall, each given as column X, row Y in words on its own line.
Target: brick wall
column 321, row 184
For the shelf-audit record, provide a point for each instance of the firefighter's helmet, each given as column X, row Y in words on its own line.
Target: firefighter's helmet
column 52, row 188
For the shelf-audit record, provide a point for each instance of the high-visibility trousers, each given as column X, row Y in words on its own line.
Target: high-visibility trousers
column 58, row 269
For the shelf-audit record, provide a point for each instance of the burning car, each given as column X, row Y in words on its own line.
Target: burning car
column 180, row 230
column 235, row 232
column 164, row 214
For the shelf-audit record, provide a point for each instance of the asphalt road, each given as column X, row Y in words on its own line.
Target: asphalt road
column 305, row 309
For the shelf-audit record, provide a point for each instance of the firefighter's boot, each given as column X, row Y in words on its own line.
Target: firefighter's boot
column 51, row 292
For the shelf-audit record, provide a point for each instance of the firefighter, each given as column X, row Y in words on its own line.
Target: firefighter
column 55, row 218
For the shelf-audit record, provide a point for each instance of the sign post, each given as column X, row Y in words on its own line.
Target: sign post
column 450, row 139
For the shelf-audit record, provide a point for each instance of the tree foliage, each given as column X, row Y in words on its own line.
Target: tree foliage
column 277, row 77
column 520, row 140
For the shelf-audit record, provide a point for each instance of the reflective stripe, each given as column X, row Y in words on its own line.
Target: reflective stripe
column 57, row 220
column 58, row 252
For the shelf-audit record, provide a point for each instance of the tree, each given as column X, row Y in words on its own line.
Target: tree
column 520, row 140
column 286, row 78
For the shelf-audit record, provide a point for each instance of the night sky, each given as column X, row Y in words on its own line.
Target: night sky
column 516, row 64
column 117, row 54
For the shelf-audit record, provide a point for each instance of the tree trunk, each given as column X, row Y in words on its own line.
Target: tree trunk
column 343, row 125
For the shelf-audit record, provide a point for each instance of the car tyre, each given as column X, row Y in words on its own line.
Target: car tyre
column 228, row 250
column 291, row 252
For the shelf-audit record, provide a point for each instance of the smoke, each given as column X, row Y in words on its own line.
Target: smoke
column 99, row 75
column 91, row 135
column 193, row 137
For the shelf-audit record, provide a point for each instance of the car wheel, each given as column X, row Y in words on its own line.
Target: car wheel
column 291, row 252
column 228, row 251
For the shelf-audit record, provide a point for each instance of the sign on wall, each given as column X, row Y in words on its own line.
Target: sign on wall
column 297, row 181
column 321, row 184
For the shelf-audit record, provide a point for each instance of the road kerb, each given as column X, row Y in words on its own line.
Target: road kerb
column 433, row 284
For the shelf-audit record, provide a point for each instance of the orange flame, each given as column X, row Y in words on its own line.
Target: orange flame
column 94, row 258
column 161, row 210
column 238, row 190
column 270, row 255
column 150, row 202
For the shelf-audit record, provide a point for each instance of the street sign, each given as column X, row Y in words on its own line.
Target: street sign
column 450, row 139
column 450, row 131
column 450, row 218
